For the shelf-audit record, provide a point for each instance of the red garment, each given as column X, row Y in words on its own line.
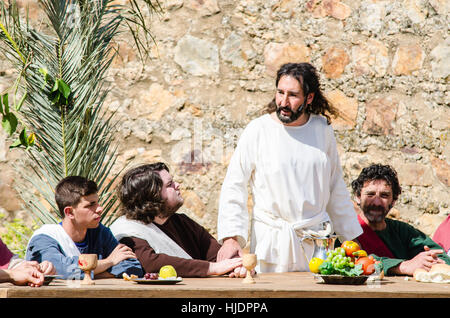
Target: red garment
column 5, row 255
column 371, row 242
column 442, row 234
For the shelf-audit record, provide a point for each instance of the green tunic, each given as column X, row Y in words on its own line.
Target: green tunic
column 405, row 242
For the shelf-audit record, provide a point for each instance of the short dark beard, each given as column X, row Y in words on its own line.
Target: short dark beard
column 375, row 208
column 294, row 115
column 167, row 212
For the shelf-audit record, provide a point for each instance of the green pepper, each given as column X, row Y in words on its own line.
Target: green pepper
column 326, row 268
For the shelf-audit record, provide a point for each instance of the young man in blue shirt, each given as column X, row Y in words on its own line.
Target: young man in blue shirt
column 81, row 232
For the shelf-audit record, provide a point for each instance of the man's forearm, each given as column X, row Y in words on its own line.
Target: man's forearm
column 102, row 266
column 4, row 276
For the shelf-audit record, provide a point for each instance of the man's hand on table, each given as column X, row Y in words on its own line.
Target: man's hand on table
column 27, row 273
column 230, row 248
column 240, row 272
column 47, row 268
column 225, row 266
column 424, row 260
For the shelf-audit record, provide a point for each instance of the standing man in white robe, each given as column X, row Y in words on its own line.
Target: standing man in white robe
column 290, row 159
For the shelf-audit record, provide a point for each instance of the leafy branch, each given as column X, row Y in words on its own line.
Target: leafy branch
column 60, row 119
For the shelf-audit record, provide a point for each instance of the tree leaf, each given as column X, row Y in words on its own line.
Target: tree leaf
column 9, row 123
column 5, row 103
column 44, row 73
column 23, row 137
column 64, row 88
column 55, row 87
column 21, row 101
column 16, row 144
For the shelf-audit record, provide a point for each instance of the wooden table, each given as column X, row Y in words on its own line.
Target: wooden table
column 279, row 285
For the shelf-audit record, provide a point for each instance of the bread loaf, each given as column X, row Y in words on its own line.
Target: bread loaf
column 440, row 268
column 439, row 273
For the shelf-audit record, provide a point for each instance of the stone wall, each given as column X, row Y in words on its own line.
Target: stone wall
column 383, row 64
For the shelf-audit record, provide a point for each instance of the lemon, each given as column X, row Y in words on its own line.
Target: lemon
column 167, row 271
column 314, row 264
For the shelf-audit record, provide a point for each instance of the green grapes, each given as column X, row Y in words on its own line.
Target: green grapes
column 338, row 258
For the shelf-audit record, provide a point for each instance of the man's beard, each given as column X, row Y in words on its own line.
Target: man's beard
column 294, row 114
column 375, row 218
column 167, row 211
column 293, row 117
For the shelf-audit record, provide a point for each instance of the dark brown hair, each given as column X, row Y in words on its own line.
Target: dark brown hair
column 308, row 78
column 378, row 172
column 140, row 192
column 69, row 191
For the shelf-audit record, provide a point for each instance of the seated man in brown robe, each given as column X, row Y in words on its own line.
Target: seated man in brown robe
column 158, row 235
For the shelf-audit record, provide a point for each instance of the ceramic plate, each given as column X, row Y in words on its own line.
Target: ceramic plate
column 343, row 280
column 158, row 281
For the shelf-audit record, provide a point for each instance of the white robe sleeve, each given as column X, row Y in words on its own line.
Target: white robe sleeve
column 339, row 207
column 233, row 213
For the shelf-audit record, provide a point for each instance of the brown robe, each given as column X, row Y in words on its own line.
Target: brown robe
column 190, row 236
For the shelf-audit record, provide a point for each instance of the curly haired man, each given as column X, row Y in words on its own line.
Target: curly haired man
column 399, row 246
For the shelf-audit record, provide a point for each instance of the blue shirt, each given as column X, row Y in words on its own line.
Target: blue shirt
column 98, row 241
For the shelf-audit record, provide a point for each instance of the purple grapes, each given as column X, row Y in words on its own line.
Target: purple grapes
column 151, row 276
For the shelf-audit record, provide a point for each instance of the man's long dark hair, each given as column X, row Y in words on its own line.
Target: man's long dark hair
column 140, row 192
column 308, row 78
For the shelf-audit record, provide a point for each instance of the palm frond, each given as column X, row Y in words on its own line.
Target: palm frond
column 74, row 134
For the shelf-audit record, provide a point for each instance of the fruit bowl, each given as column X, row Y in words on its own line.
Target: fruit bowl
column 341, row 279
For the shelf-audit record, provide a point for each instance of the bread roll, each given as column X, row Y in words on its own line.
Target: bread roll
column 439, row 273
column 441, row 269
column 420, row 274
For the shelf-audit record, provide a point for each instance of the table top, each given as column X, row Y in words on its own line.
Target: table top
column 267, row 285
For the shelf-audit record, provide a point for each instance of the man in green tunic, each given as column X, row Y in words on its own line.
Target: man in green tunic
column 399, row 246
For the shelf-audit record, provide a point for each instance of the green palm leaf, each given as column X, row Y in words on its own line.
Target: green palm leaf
column 63, row 73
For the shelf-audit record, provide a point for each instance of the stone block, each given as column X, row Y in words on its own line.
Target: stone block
column 413, row 174
column 334, row 62
column 372, row 16
column 441, row 169
column 277, row 54
column 441, row 6
column 370, row 58
column 193, row 203
column 154, row 102
column 9, row 198
column 203, row 7
column 380, row 115
column 407, row 59
column 415, row 10
column 347, row 107
column 197, row 56
column 428, row 223
column 440, row 57
column 232, row 52
column 334, row 8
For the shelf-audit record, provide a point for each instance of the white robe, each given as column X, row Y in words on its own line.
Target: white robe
column 57, row 232
column 296, row 182
column 156, row 238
